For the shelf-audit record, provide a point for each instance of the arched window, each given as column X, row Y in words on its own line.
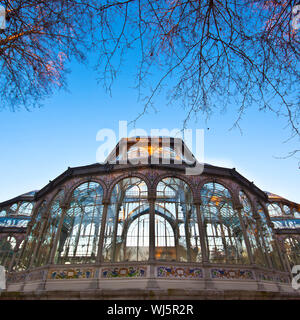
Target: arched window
column 2, row 213
column 128, row 211
column 269, row 240
column 292, row 247
column 22, row 208
column 274, row 210
column 286, row 209
column 224, row 235
column 25, row 208
column 176, row 223
column 31, row 239
column 253, row 232
column 7, row 246
column 13, row 209
column 297, row 214
column 81, row 225
column 46, row 242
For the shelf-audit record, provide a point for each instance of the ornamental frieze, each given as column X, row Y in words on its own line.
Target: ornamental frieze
column 124, row 272
column 232, row 274
column 179, row 272
column 72, row 273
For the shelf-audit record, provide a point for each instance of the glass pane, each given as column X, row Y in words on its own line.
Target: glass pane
column 176, row 225
column 253, row 233
column 32, row 239
column 224, row 235
column 80, row 230
column 46, row 242
column 274, row 210
column 7, row 246
column 25, row 208
column 269, row 240
column 127, row 224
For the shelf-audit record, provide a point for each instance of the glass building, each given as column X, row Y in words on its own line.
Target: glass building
column 141, row 221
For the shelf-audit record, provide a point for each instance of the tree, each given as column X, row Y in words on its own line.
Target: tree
column 215, row 51
column 39, row 36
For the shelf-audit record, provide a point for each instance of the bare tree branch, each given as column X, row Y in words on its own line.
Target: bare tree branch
column 210, row 54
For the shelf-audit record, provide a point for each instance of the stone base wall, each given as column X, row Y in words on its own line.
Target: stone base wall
column 149, row 280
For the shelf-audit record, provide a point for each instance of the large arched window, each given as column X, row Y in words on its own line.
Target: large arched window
column 127, row 224
column 31, row 239
column 224, row 235
column 7, row 246
column 269, row 239
column 81, row 225
column 253, row 232
column 49, row 232
column 176, row 223
column 292, row 247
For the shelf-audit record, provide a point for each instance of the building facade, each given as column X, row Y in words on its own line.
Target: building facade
column 143, row 228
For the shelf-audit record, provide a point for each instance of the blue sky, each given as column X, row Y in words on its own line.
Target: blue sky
column 39, row 145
